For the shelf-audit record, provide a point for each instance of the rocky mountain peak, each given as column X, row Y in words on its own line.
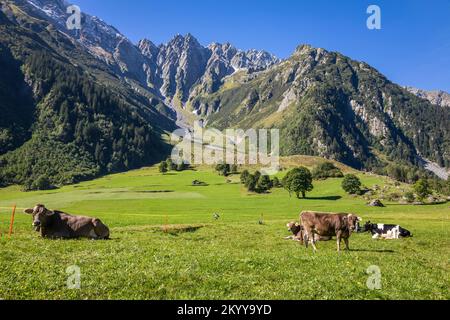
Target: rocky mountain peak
column 148, row 48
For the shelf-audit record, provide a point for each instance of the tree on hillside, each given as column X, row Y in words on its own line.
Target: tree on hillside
column 298, row 180
column 422, row 189
column 351, row 184
column 41, row 183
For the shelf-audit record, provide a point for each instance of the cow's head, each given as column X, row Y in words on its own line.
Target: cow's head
column 294, row 227
column 368, row 226
column 352, row 221
column 404, row 233
column 41, row 216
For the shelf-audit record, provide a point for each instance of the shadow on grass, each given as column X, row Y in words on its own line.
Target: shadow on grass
column 419, row 205
column 330, row 198
column 176, row 230
column 373, row 250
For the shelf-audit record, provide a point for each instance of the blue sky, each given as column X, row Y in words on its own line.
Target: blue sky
column 412, row 48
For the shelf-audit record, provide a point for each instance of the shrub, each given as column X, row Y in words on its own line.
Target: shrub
column 251, row 182
column 264, row 184
column 256, row 182
column 409, row 197
column 422, row 189
column 163, row 167
column 326, row 170
column 244, row 176
column 172, row 166
column 223, row 169
column 276, row 183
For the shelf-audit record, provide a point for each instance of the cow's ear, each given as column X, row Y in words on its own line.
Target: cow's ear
column 28, row 211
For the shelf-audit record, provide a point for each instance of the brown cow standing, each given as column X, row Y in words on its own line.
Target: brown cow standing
column 327, row 224
column 57, row 224
column 298, row 233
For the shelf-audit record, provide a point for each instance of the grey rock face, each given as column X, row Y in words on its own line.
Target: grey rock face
column 182, row 63
column 184, row 68
column 437, row 97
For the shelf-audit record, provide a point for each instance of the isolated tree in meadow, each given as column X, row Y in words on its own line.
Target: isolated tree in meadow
column 422, row 189
column 351, row 184
column 163, row 167
column 298, row 180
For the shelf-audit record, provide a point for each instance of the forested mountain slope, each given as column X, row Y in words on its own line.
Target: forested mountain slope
column 77, row 117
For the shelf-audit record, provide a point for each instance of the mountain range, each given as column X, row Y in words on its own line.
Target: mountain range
column 94, row 102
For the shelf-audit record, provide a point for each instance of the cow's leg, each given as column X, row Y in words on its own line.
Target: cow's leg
column 346, row 244
column 338, row 241
column 313, row 241
column 307, row 233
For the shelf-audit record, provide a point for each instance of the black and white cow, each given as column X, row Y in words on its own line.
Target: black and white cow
column 386, row 231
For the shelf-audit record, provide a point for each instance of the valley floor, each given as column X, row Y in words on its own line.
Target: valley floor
column 167, row 245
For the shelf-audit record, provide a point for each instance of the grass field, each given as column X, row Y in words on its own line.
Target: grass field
column 232, row 258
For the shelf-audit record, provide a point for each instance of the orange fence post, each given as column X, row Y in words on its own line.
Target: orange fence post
column 11, row 224
column 166, row 224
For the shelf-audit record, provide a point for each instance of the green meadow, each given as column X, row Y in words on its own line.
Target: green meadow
column 167, row 245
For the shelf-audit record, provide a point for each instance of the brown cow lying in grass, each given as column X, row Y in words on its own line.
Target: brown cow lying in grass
column 298, row 233
column 326, row 224
column 56, row 225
